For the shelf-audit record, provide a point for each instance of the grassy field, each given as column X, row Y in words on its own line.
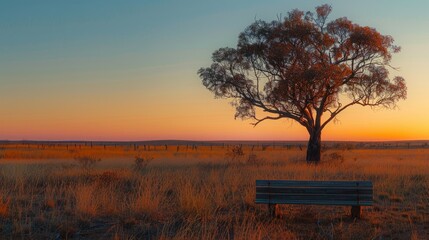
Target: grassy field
column 204, row 192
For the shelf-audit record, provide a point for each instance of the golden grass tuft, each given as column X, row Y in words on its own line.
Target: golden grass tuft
column 85, row 199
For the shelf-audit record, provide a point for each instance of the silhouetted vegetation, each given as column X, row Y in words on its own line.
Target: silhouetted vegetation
column 87, row 163
column 303, row 67
column 141, row 162
column 235, row 153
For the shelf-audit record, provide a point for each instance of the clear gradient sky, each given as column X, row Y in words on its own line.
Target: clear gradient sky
column 126, row 70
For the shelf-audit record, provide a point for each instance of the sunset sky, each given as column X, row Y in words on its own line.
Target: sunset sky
column 127, row 70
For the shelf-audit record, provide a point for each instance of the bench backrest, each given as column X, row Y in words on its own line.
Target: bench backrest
column 350, row 193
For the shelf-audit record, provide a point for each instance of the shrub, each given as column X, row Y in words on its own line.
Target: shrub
column 254, row 159
column 86, row 162
column 334, row 157
column 141, row 163
column 107, row 178
column 235, row 153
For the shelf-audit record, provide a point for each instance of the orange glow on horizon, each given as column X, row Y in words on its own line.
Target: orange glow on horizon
column 130, row 125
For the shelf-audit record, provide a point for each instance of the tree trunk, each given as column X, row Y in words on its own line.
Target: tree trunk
column 314, row 146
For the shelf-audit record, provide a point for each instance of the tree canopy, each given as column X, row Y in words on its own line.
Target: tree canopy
column 302, row 67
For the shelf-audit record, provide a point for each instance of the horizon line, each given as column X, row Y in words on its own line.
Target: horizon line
column 191, row 140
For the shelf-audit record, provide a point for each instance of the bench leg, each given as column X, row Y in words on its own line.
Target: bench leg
column 272, row 208
column 355, row 212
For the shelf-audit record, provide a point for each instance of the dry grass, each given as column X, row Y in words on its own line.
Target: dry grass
column 203, row 194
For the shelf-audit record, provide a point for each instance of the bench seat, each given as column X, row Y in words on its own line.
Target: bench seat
column 345, row 193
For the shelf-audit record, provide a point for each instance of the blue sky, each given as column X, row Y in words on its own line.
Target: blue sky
column 66, row 66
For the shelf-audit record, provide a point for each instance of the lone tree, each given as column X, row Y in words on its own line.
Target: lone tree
column 305, row 69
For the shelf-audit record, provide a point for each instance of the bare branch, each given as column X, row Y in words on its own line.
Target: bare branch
column 265, row 118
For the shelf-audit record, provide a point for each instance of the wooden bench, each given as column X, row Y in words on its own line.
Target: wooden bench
column 345, row 193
